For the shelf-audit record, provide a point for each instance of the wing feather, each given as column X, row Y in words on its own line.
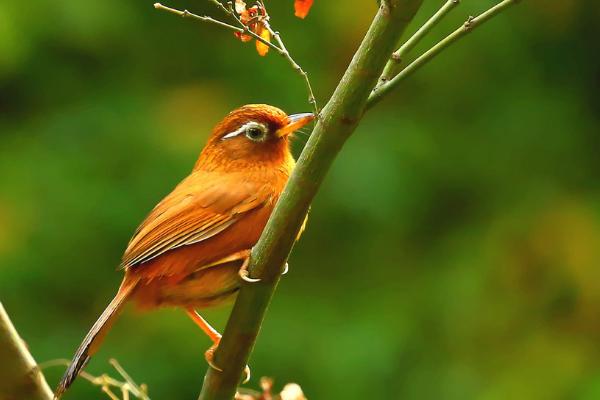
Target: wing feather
column 200, row 207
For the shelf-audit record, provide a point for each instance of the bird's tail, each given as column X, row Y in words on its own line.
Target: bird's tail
column 93, row 339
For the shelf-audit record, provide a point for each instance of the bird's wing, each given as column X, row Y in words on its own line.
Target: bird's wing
column 199, row 208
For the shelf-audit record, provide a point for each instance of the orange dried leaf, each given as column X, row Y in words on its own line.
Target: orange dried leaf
column 302, row 7
column 244, row 37
column 262, row 48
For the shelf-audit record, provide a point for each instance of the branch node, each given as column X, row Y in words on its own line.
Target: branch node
column 391, row 67
column 469, row 22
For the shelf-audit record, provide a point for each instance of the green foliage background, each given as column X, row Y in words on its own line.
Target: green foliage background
column 452, row 253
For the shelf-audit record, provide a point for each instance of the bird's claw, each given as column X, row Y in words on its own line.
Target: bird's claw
column 247, row 375
column 244, row 275
column 286, row 268
column 209, row 355
column 214, row 366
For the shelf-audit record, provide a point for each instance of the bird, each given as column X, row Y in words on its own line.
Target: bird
column 192, row 251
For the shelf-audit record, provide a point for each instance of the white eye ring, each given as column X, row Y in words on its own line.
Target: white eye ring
column 247, row 128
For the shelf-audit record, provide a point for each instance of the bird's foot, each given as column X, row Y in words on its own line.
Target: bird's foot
column 210, row 356
column 246, row 374
column 286, row 268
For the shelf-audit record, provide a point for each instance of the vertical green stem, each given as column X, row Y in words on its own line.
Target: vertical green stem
column 336, row 123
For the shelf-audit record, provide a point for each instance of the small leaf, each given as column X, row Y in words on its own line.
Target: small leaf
column 262, row 48
column 302, row 7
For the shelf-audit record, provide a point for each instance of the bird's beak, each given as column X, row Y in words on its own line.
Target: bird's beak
column 295, row 122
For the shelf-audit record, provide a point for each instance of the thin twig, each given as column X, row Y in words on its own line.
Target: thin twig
column 295, row 66
column 109, row 393
column 242, row 29
column 398, row 56
column 187, row 14
column 245, row 29
column 221, row 6
column 469, row 25
column 133, row 387
column 105, row 382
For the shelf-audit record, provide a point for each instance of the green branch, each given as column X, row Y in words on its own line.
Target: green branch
column 398, row 56
column 335, row 124
column 20, row 377
column 472, row 22
column 339, row 118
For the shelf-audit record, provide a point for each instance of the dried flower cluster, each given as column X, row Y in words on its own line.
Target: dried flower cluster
column 256, row 19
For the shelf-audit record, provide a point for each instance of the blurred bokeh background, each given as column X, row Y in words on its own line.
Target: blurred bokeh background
column 452, row 253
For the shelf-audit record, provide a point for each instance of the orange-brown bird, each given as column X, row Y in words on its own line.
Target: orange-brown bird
column 193, row 249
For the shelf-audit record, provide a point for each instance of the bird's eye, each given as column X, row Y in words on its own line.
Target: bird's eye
column 256, row 133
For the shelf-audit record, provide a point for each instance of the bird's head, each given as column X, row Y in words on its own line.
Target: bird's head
column 254, row 134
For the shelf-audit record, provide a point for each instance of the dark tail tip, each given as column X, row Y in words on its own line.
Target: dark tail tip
column 72, row 372
column 94, row 337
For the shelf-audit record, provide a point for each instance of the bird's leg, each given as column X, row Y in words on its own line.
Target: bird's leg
column 210, row 332
column 243, row 272
column 215, row 336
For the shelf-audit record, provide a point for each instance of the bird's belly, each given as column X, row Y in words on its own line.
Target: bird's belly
column 200, row 289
